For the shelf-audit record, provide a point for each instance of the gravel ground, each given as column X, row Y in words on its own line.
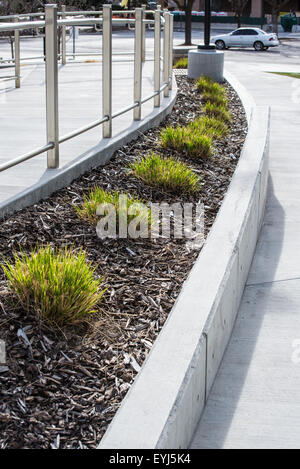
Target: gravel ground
column 61, row 388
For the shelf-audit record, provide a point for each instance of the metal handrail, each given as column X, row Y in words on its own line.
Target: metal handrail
column 66, row 22
column 51, row 25
column 74, row 13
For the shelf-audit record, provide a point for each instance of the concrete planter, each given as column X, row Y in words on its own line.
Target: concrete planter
column 167, row 398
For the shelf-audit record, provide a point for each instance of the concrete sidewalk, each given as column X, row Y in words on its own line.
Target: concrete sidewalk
column 23, row 115
column 255, row 399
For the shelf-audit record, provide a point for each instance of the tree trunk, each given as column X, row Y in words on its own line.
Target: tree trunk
column 238, row 20
column 188, row 26
column 275, row 21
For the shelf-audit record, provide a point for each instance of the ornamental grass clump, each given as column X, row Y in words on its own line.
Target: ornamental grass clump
column 116, row 200
column 207, row 85
column 174, row 137
column 214, row 98
column 204, row 83
column 218, row 112
column 58, row 284
column 210, row 126
column 198, row 145
column 181, row 63
column 169, row 174
column 191, row 139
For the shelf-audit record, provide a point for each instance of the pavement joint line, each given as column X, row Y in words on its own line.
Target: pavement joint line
column 271, row 281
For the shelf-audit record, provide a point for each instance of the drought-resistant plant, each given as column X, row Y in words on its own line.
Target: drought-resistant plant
column 174, row 137
column 168, row 173
column 219, row 112
column 214, row 98
column 59, row 284
column 206, row 84
column 99, row 196
column 198, row 144
column 192, row 139
column 210, row 126
column 181, row 63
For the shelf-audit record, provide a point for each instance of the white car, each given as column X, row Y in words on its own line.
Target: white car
column 246, row 37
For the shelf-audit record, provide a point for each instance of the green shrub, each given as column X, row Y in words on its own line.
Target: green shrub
column 168, row 173
column 192, row 139
column 100, row 196
column 181, row 63
column 59, row 285
column 218, row 112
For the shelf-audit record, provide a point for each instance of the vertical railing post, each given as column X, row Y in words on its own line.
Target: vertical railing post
column 107, row 69
column 144, row 34
column 166, row 53
column 52, row 84
column 137, row 95
column 17, row 57
column 171, row 25
column 157, row 47
column 63, row 38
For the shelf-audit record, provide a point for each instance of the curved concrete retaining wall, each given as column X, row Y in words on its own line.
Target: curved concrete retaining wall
column 167, row 398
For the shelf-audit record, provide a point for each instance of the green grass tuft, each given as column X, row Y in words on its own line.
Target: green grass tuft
column 169, row 174
column 174, row 137
column 204, row 83
column 218, row 112
column 190, row 139
column 181, row 63
column 60, row 285
column 210, row 126
column 207, row 85
column 287, row 74
column 214, row 98
column 100, row 196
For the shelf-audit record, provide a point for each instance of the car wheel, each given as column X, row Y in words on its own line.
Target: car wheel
column 258, row 45
column 220, row 44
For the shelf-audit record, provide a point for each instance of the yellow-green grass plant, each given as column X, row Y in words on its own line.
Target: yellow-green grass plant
column 190, row 139
column 210, row 126
column 214, row 98
column 181, row 63
column 218, row 112
column 60, row 285
column 174, row 137
column 99, row 196
column 207, row 85
column 169, row 174
column 204, row 83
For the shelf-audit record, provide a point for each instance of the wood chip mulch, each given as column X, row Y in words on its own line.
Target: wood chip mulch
column 61, row 388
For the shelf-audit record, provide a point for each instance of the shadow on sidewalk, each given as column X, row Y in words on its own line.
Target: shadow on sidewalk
column 227, row 389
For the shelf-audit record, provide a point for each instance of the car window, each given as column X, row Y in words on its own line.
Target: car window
column 238, row 32
column 250, row 32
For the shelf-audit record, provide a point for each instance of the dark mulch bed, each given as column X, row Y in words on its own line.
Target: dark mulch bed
column 62, row 388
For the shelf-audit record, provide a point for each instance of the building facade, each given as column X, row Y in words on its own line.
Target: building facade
column 254, row 8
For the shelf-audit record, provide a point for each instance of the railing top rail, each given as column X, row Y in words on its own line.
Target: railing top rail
column 66, row 22
column 73, row 13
